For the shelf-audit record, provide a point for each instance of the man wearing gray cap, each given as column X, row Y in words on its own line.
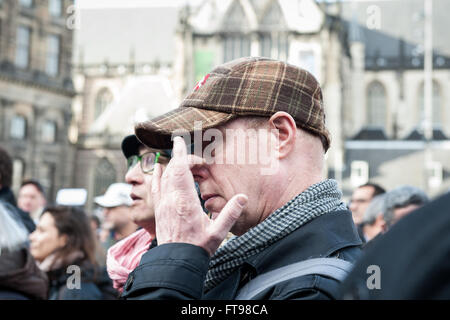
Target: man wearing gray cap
column 116, row 204
column 294, row 237
column 373, row 219
column 401, row 201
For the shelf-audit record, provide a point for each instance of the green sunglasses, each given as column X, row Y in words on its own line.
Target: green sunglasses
column 147, row 160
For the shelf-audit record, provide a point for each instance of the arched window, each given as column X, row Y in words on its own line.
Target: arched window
column 104, row 176
column 273, row 40
column 103, row 99
column 376, row 105
column 236, row 43
column 437, row 104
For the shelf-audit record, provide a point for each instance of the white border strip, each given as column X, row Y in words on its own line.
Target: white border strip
column 394, row 145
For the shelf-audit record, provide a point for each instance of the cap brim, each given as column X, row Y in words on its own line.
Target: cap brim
column 158, row 132
column 105, row 202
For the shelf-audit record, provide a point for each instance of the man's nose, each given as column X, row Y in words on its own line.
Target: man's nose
column 134, row 175
column 198, row 167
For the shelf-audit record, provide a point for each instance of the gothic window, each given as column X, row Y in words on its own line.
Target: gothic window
column 273, row 18
column 104, row 176
column 236, row 43
column 236, row 46
column 103, row 99
column 235, row 18
column 273, row 39
column 376, row 105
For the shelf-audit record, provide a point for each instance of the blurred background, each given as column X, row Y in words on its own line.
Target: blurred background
column 76, row 75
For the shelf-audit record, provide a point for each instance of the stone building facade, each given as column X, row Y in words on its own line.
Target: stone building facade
column 36, row 90
column 368, row 58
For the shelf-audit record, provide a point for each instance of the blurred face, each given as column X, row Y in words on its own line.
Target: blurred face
column 116, row 217
column 46, row 238
column 30, row 199
column 142, row 211
column 361, row 198
column 220, row 181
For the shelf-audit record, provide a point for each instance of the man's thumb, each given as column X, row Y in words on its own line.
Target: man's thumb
column 230, row 213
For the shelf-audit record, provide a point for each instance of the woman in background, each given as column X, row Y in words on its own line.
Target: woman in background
column 64, row 247
column 20, row 278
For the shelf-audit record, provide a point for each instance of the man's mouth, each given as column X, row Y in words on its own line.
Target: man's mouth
column 206, row 197
column 135, row 197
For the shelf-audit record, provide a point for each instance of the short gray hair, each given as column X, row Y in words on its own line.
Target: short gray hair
column 13, row 234
column 401, row 197
column 375, row 208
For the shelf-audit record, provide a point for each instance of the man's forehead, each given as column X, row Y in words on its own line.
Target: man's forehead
column 364, row 191
column 143, row 149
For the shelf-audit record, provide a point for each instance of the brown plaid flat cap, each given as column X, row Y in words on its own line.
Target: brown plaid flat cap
column 244, row 87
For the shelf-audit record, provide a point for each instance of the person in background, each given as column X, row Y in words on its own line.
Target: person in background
column 124, row 256
column 401, row 201
column 116, row 204
column 373, row 220
column 20, row 278
column 411, row 260
column 100, row 252
column 6, row 194
column 360, row 199
column 64, row 238
column 32, row 199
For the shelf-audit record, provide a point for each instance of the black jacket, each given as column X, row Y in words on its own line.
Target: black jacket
column 9, row 201
column 95, row 284
column 20, row 277
column 410, row 261
column 178, row 270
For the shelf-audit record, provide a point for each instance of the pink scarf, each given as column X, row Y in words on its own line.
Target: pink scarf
column 125, row 255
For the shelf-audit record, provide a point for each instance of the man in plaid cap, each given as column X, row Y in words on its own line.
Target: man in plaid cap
column 280, row 218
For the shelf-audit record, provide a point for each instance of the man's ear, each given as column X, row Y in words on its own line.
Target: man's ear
column 286, row 130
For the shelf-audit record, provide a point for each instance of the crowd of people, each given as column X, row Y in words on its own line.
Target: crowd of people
column 155, row 241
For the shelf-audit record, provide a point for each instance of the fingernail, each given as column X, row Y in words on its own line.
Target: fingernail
column 242, row 200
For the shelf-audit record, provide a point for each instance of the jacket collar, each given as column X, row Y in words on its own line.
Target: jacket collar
column 320, row 237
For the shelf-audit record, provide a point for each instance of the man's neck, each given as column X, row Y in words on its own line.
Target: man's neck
column 125, row 231
column 288, row 188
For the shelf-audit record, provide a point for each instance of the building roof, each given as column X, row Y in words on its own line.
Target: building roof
column 212, row 16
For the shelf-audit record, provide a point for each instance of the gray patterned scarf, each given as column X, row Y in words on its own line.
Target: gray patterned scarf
column 315, row 201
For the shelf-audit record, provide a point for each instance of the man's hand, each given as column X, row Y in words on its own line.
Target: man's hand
column 178, row 213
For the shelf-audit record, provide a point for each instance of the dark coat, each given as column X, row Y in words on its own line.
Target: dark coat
column 410, row 261
column 95, row 284
column 178, row 270
column 9, row 201
column 20, row 277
